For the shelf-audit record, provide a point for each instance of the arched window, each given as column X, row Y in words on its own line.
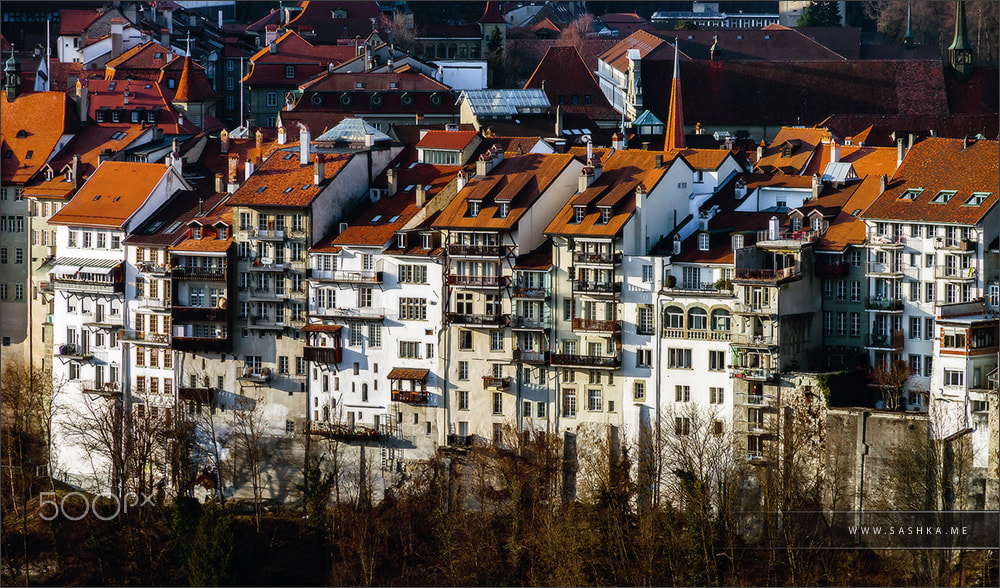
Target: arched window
column 452, row 51
column 697, row 319
column 721, row 320
column 673, row 317
column 441, row 51
column 326, row 414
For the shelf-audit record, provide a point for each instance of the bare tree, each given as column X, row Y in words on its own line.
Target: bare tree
column 249, row 426
column 577, row 31
column 401, row 31
column 891, row 380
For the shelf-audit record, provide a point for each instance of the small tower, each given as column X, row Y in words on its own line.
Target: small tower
column 960, row 51
column 12, row 81
column 675, row 115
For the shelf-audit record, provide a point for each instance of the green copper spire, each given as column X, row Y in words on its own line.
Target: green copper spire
column 960, row 52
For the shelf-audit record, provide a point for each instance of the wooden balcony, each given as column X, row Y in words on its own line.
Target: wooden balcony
column 327, row 355
column 474, row 250
column 489, row 382
column 525, row 292
column 477, row 281
column 596, row 326
column 410, row 397
column 599, row 361
column 955, row 245
column 207, row 274
column 752, row 274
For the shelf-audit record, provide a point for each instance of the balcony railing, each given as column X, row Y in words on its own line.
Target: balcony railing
column 887, row 241
column 762, row 400
column 187, row 314
column 477, row 281
column 756, row 374
column 753, row 308
column 474, row 250
column 267, row 234
column 523, row 322
column 884, row 269
column 90, row 286
column 105, row 389
column 145, row 336
column 350, row 276
column 884, row 304
column 497, row 383
column 342, row 431
column 328, row 355
column 602, row 257
column 148, row 267
column 756, row 457
column 410, row 397
column 107, row 321
column 745, row 340
column 208, row 344
column 888, row 340
column 597, row 287
column 74, row 352
column 963, row 245
column 766, row 275
column 833, row 270
column 580, row 324
column 489, row 320
column 696, row 289
column 262, row 265
column 536, row 292
column 461, row 440
column 586, row 360
column 958, row 274
column 257, row 375
column 786, row 238
column 208, row 274
column 266, row 295
column 531, row 356
column 267, row 322
column 155, row 304
column 363, row 313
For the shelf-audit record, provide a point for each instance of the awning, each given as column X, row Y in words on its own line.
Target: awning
column 72, row 265
column 322, row 328
column 408, row 374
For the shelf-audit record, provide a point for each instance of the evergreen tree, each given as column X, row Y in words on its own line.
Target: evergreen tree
column 820, row 14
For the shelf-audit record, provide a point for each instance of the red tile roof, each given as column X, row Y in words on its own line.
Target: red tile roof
column 864, row 160
column 562, row 72
column 519, row 180
column 374, row 82
column 453, row 140
column 110, row 94
column 803, row 143
column 492, row 15
column 937, row 164
column 316, row 16
column 845, row 230
column 643, row 41
column 112, row 194
column 874, row 129
column 622, row 173
column 74, row 22
column 281, row 181
column 140, row 57
column 268, row 68
column 31, row 128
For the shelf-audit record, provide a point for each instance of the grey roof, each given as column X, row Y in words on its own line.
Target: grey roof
column 839, row 172
column 504, row 102
column 646, row 118
column 352, row 130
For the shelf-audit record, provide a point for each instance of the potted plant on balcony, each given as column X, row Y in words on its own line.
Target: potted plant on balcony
column 671, row 280
column 724, row 284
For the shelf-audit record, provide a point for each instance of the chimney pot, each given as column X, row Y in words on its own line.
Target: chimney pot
column 658, row 159
column 319, row 169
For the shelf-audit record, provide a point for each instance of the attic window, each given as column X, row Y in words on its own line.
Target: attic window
column 503, row 210
column 401, row 240
column 473, row 208
column 8, row 154
column 99, row 115
column 289, row 155
column 135, row 116
column 170, row 83
column 605, row 215
column 377, row 218
column 977, row 198
column 96, row 198
column 196, row 232
column 306, row 186
column 116, row 199
column 393, row 85
column 118, row 136
column 223, row 232
column 116, row 116
column 151, row 116
column 173, row 226
column 394, row 219
column 261, row 189
column 159, row 55
column 148, row 86
column 29, row 154
column 702, row 241
column 22, row 134
column 290, row 71
column 112, row 85
column 737, row 242
column 425, row 241
column 578, row 213
column 409, row 188
column 786, row 150
column 289, row 189
column 48, row 174
column 911, row 194
column 359, row 85
column 943, row 196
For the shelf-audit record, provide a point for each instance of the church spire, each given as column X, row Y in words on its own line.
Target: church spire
column 675, row 116
column 960, row 52
column 908, row 37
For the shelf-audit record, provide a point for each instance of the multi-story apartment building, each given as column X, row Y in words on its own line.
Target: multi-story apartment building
column 376, row 313
column 531, row 325
column 928, row 232
column 92, row 282
column 36, row 126
column 498, row 214
column 282, row 209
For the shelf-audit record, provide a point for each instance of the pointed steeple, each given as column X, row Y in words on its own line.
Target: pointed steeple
column 12, row 81
column 184, row 84
column 960, row 51
column 908, row 37
column 675, row 115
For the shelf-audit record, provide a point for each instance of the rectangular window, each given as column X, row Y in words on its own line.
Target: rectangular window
column 639, row 390
column 413, row 309
column 354, row 335
column 409, row 349
column 915, row 364
column 463, row 400
column 497, row 403
column 928, row 328
column 716, row 361
column 569, row 402
column 283, row 364
column 915, row 328
column 463, row 370
column 496, row 340
column 682, row 393
column 679, row 358
column 272, row 98
column 643, row 357
column 953, row 378
column 375, row 335
column 594, row 399
column 716, row 395
column 682, row 426
column 855, row 324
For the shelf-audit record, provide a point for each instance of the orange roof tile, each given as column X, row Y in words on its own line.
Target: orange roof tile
column 865, row 160
column 31, row 128
column 643, row 41
column 112, row 194
column 408, row 374
column 454, row 140
column 519, row 180
column 845, row 230
column 282, row 181
column 622, row 173
column 803, row 143
column 207, row 244
column 700, row 159
column 937, row 164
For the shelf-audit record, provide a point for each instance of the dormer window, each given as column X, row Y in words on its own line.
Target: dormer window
column 116, row 116
column 135, row 116
column 223, row 232
column 911, row 194
column 977, row 198
column 196, row 232
column 698, row 177
column 401, row 240
column 151, row 116
column 943, row 196
column 359, row 86
column 817, row 224
column 737, row 242
column 796, row 223
column 504, row 209
column 578, row 213
column 99, row 115
column 474, row 206
column 171, row 82
column 48, row 174
column 425, row 241
column 68, row 176
column 605, row 215
column 702, row 241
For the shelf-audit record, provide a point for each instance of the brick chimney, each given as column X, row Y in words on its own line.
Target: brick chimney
column 586, row 178
column 421, row 196
column 117, row 29
column 319, row 169
column 220, row 185
column 392, row 180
